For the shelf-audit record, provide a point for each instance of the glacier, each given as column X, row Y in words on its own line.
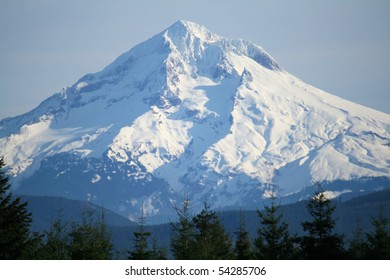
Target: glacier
column 190, row 112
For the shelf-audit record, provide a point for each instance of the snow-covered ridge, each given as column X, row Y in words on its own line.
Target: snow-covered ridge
column 191, row 110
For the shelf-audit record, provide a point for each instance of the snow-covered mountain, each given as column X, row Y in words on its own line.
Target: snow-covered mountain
column 188, row 111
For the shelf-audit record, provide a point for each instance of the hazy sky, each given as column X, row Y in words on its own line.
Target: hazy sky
column 340, row 46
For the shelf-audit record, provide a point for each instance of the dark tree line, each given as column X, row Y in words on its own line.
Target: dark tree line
column 86, row 240
column 203, row 237
column 200, row 236
column 16, row 241
column 141, row 249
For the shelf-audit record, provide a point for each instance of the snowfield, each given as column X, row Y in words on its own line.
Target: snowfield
column 190, row 111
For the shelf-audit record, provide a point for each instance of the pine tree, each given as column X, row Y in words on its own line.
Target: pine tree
column 379, row 240
column 242, row 247
column 273, row 241
column 182, row 241
column 90, row 239
column 16, row 242
column 212, row 242
column 141, row 249
column 321, row 242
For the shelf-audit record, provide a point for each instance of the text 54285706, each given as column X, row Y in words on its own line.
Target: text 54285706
column 246, row 270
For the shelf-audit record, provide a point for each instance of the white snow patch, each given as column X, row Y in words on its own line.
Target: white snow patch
column 96, row 178
column 334, row 194
column 269, row 194
column 81, row 85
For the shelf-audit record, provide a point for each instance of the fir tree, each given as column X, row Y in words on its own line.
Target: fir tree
column 379, row 240
column 358, row 247
column 57, row 245
column 90, row 239
column 320, row 241
column 157, row 252
column 16, row 242
column 242, row 248
column 273, row 241
column 141, row 249
column 212, row 242
column 182, row 241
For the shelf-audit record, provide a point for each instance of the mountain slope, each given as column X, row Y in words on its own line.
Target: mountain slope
column 190, row 111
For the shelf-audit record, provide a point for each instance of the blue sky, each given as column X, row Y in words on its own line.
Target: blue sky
column 340, row 46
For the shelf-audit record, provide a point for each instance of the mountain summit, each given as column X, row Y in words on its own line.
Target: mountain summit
column 188, row 111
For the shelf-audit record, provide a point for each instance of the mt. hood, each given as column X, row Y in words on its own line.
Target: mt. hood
column 190, row 112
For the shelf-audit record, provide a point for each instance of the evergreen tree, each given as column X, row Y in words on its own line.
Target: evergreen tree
column 212, row 242
column 57, row 243
column 90, row 239
column 16, row 242
column 242, row 246
column 158, row 253
column 320, row 241
column 379, row 240
column 141, row 249
column 273, row 241
column 33, row 249
column 182, row 241
column 358, row 247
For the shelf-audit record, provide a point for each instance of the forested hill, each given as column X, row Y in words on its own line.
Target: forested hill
column 348, row 214
column 45, row 209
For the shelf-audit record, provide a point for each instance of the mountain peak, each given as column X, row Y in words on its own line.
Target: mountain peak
column 191, row 110
column 194, row 40
column 183, row 28
column 189, row 25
